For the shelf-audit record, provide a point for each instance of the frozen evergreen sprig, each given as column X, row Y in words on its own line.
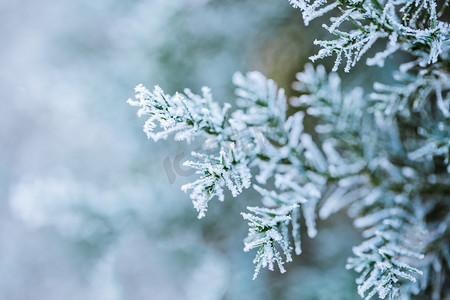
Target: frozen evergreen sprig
column 382, row 259
column 415, row 92
column 239, row 137
column 228, row 169
column 186, row 115
column 258, row 134
column 414, row 26
column 342, row 118
column 344, row 122
column 385, row 156
column 345, row 170
column 269, row 228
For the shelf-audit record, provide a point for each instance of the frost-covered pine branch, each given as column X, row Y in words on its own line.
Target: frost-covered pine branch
column 413, row 26
column 345, row 171
column 258, row 134
column 238, row 137
column 383, row 156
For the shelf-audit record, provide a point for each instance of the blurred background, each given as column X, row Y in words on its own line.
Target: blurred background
column 87, row 209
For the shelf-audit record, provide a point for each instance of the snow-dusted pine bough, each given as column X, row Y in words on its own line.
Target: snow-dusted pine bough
column 383, row 156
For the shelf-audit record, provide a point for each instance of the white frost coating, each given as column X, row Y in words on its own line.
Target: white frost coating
column 384, row 22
